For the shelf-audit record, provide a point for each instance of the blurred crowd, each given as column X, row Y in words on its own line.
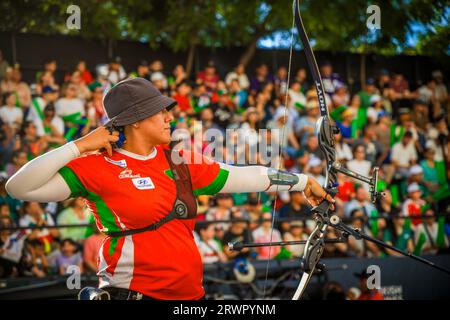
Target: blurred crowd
column 400, row 127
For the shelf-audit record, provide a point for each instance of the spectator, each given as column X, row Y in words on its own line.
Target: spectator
column 238, row 74
column 330, row 79
column 208, row 77
column 68, row 256
column 74, row 214
column 366, row 293
column 85, row 74
column 35, row 216
column 297, row 207
column 315, row 169
column 19, row 159
column 237, row 232
column 53, row 127
column 365, row 95
column 142, row 71
column 210, row 249
column 261, row 78
column 305, row 126
column 91, row 248
column 265, row 233
column 82, row 90
column 404, row 154
column 221, row 211
column 182, row 96
column 430, row 235
column 113, row 71
column 412, row 207
column 361, row 248
column 361, row 201
column 31, row 143
column 359, row 164
column 399, row 234
column 9, row 113
column 296, row 232
column 178, row 76
column 38, row 105
column 341, row 96
column 12, row 83
column 71, row 110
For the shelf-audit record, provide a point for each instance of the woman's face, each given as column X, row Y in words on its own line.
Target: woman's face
column 157, row 127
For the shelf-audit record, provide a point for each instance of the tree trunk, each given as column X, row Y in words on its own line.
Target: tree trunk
column 362, row 68
column 190, row 58
column 13, row 48
column 248, row 54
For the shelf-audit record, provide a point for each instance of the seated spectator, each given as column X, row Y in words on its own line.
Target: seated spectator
column 35, row 216
column 343, row 150
column 376, row 109
column 265, row 233
column 430, row 235
column 361, row 248
column 262, row 76
column 345, row 126
column 366, row 293
column 182, row 96
column 75, row 213
column 367, row 93
column 35, row 262
column 305, row 125
column 9, row 113
column 404, row 154
column 71, row 110
column 238, row 74
column 208, row 77
column 30, row 142
column 361, row 201
column 19, row 159
column 178, row 76
column 315, row 169
column 210, row 249
column 53, row 127
column 221, row 211
column 430, row 174
column 82, row 90
column 296, row 232
column 330, row 79
column 14, row 205
column 359, row 164
column 91, row 248
column 334, row 250
column 238, row 96
column 413, row 205
column 113, row 72
column 68, row 256
column 12, row 83
column 238, row 232
column 341, row 96
column 399, row 234
column 45, row 79
column 142, row 71
column 85, row 74
column 38, row 105
column 11, row 247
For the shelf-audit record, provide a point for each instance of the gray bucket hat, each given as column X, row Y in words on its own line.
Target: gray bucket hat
column 132, row 100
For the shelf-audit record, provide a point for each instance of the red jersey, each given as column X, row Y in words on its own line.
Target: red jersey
column 128, row 191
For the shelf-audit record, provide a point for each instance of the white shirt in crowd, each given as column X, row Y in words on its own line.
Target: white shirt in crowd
column 403, row 154
column 65, row 107
column 242, row 78
column 209, row 250
column 11, row 115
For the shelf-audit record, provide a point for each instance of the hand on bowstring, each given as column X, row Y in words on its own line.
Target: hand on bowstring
column 315, row 194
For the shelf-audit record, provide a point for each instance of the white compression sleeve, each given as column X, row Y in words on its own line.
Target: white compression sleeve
column 256, row 179
column 39, row 179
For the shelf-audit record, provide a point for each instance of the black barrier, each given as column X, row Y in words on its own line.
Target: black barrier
column 400, row 279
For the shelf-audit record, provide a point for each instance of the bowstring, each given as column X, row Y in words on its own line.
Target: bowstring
column 283, row 132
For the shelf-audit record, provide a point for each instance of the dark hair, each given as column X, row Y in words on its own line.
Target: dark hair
column 408, row 134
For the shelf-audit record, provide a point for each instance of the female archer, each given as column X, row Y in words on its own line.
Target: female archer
column 140, row 197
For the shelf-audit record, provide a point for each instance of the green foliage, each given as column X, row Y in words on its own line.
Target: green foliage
column 338, row 25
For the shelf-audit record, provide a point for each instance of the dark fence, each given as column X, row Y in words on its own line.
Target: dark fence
column 400, row 279
column 33, row 50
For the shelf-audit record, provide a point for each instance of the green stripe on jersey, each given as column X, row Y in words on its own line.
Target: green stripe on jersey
column 107, row 219
column 215, row 186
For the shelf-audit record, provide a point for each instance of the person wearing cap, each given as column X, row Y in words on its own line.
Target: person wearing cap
column 341, row 96
column 367, row 92
column 38, row 104
column 440, row 91
column 305, row 126
column 53, row 127
column 296, row 232
column 131, row 190
column 412, row 206
column 365, row 292
column 315, row 169
column 112, row 71
column 404, row 154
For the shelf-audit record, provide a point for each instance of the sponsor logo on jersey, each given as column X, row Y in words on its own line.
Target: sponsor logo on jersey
column 120, row 163
column 143, row 183
column 128, row 174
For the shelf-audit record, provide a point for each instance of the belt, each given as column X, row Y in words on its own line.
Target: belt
column 126, row 294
